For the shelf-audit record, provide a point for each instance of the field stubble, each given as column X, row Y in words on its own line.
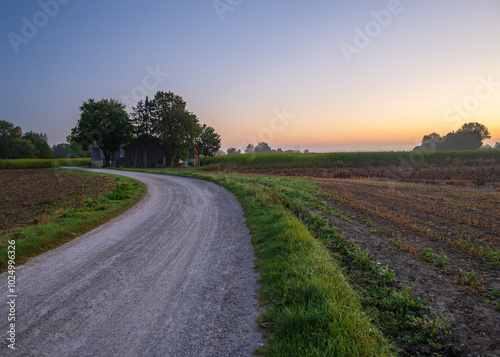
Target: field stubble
column 441, row 240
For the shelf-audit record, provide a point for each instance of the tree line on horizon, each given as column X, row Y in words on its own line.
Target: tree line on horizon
column 106, row 124
column 470, row 136
column 264, row 148
column 16, row 145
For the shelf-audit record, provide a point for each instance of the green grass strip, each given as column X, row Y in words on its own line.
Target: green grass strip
column 36, row 239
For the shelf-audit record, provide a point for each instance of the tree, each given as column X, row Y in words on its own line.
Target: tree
column 462, row 140
column 430, row 142
column 12, row 145
column 21, row 149
column 433, row 137
column 39, row 141
column 143, row 117
column 263, row 148
column 177, row 128
column 208, row 142
column 233, row 151
column 61, row 151
column 477, row 127
column 469, row 137
column 104, row 123
column 249, row 149
column 8, row 130
column 69, row 150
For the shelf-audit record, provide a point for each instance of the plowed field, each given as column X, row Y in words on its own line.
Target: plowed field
column 29, row 196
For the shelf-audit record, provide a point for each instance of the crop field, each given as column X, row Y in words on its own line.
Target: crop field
column 403, row 161
column 42, row 163
column 441, row 240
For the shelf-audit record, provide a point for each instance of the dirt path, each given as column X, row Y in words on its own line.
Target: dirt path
column 173, row 276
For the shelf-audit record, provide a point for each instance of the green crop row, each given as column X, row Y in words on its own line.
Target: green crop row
column 43, row 163
column 355, row 159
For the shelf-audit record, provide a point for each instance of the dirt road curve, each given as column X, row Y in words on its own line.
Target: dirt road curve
column 173, row 276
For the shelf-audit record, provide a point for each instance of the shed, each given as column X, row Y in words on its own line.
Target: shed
column 145, row 151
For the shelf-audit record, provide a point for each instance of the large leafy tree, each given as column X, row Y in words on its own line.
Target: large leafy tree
column 12, row 145
column 433, row 137
column 177, row 128
column 469, row 137
column 208, row 142
column 263, row 148
column 104, row 123
column 477, row 127
column 462, row 140
column 39, row 141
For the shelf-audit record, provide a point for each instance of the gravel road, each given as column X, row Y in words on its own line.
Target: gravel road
column 173, row 276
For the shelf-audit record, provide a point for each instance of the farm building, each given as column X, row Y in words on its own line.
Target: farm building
column 144, row 151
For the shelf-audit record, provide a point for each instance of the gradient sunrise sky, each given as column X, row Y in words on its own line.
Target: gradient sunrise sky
column 323, row 75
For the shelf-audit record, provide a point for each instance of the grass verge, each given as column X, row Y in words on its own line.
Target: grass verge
column 311, row 309
column 72, row 222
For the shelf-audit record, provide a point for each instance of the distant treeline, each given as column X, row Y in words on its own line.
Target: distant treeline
column 469, row 137
column 16, row 145
column 263, row 148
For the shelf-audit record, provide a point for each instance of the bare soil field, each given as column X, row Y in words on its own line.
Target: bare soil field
column 434, row 238
column 29, row 196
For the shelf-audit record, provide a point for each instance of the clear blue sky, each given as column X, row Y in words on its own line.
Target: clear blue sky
column 324, row 75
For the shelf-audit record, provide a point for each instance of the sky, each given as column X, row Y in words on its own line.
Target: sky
column 321, row 75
